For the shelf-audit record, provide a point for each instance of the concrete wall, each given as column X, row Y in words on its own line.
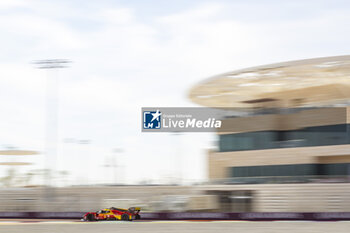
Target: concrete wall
column 315, row 197
column 295, row 197
column 82, row 198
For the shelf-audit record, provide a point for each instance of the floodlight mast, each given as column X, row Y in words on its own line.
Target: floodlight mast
column 52, row 63
column 52, row 82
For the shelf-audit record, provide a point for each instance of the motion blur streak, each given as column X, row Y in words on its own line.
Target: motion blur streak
column 185, row 227
column 282, row 146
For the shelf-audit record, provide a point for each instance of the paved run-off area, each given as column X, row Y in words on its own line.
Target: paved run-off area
column 10, row 226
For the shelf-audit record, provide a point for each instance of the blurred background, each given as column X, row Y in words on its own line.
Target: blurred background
column 75, row 74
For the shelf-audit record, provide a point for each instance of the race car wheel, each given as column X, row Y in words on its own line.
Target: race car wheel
column 90, row 217
column 125, row 217
column 137, row 216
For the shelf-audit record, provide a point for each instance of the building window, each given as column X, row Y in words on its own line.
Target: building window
column 311, row 136
column 292, row 170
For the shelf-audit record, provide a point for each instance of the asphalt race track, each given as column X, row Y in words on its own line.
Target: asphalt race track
column 58, row 226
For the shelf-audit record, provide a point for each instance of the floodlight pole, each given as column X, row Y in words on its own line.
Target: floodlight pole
column 116, row 151
column 51, row 65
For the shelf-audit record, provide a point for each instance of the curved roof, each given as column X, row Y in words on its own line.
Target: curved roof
column 302, row 83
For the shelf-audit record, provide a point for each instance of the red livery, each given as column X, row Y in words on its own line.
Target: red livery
column 113, row 214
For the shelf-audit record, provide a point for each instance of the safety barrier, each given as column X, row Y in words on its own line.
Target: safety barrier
column 253, row 216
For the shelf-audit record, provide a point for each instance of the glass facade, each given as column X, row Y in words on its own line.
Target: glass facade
column 338, row 169
column 311, row 136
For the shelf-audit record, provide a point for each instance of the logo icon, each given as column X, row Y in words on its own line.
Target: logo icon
column 152, row 119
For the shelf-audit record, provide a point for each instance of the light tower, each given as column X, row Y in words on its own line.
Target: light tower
column 52, row 87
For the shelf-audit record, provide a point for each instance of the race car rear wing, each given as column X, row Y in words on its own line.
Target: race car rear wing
column 134, row 209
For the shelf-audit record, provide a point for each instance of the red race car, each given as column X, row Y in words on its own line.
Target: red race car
column 113, row 214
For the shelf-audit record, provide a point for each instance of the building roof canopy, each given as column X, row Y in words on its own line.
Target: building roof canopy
column 304, row 83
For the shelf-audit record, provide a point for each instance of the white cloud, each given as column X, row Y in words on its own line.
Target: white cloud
column 8, row 4
column 43, row 33
column 117, row 15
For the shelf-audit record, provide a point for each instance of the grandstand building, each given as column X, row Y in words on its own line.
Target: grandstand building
column 288, row 146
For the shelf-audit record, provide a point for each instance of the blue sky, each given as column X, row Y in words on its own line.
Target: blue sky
column 132, row 54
